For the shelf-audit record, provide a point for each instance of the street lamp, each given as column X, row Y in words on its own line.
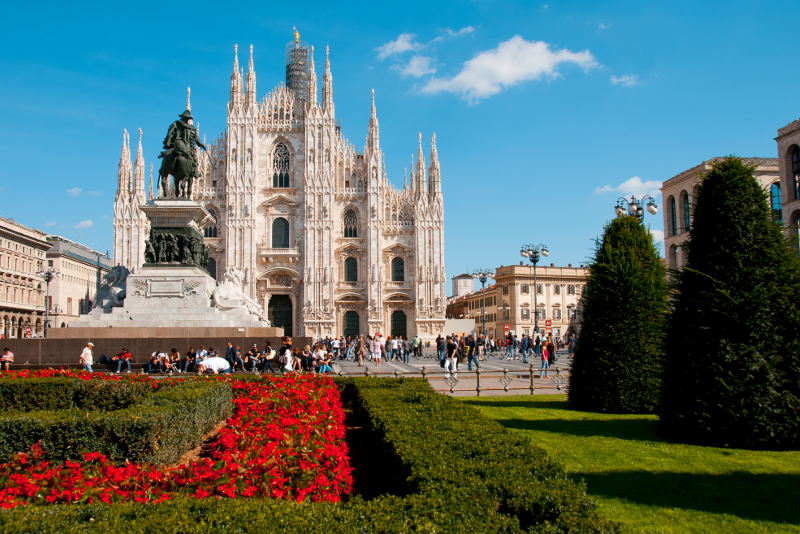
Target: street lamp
column 635, row 206
column 483, row 275
column 532, row 252
column 49, row 275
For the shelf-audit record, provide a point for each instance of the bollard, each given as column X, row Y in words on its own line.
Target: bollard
column 366, row 371
column 505, row 379
column 424, row 373
column 478, row 379
column 396, row 374
column 532, row 386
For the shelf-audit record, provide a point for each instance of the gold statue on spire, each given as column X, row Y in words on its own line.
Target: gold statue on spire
column 296, row 36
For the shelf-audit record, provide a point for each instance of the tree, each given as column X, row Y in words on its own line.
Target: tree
column 732, row 371
column 617, row 363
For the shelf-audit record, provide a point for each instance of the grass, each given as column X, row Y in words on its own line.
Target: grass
column 652, row 485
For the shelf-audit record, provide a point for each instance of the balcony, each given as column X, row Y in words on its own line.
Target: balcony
column 268, row 255
column 351, row 286
column 398, row 285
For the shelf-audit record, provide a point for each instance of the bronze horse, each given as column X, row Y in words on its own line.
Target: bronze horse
column 179, row 160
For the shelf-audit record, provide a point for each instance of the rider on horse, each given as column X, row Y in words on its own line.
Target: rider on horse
column 179, row 156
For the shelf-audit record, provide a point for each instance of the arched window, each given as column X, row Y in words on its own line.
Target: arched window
column 211, row 229
column 674, row 213
column 796, row 170
column 398, row 270
column 280, row 233
column 350, row 224
column 280, row 166
column 687, row 219
column 350, row 270
column 775, row 202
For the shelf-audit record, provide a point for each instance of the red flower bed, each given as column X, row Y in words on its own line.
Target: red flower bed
column 285, row 440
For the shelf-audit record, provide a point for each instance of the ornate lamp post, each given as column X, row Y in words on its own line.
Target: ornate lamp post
column 635, row 206
column 49, row 275
column 483, row 275
column 532, row 252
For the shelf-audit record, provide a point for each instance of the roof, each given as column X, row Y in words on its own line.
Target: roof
column 463, row 276
column 753, row 162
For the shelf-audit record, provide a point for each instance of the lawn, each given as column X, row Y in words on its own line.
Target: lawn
column 652, row 485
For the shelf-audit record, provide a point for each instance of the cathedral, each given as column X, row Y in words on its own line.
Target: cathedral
column 328, row 245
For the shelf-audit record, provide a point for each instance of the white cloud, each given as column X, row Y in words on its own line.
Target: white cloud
column 633, row 186
column 85, row 224
column 512, row 62
column 74, row 192
column 51, row 223
column 417, row 66
column 658, row 235
column 604, row 26
column 463, row 31
column 626, row 81
column 403, row 43
column 96, row 193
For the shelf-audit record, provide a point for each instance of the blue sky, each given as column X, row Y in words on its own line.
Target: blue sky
column 544, row 113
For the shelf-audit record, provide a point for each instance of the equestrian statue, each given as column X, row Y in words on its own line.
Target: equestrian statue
column 180, row 156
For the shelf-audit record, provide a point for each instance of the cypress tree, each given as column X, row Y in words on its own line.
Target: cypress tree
column 732, row 367
column 617, row 364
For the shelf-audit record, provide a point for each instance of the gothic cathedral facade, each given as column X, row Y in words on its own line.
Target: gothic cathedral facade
column 327, row 244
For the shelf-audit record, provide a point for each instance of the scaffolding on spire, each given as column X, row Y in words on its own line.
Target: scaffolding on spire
column 297, row 68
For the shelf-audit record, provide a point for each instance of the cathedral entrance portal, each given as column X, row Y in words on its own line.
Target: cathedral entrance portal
column 280, row 313
column 398, row 324
column 351, row 326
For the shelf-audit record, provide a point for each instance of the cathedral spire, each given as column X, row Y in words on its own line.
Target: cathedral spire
column 372, row 136
column 138, row 171
column 434, row 172
column 405, row 178
column 420, row 174
column 312, row 79
column 250, row 100
column 189, row 99
column 124, row 171
column 236, row 81
column 327, row 83
column 150, row 192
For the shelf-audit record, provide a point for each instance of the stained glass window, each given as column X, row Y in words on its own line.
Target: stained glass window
column 280, row 166
column 350, row 224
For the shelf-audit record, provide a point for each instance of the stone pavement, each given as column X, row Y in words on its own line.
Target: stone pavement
column 492, row 377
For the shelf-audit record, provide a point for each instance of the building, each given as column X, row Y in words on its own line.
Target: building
column 22, row 291
column 327, row 243
column 131, row 225
column 510, row 302
column 462, row 285
column 789, row 168
column 81, row 271
column 680, row 191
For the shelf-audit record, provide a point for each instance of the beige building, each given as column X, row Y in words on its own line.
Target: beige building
column 789, row 164
column 680, row 191
column 81, row 271
column 511, row 300
column 22, row 252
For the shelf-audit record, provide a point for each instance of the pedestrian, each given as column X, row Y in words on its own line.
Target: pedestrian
column 267, row 357
column 6, row 359
column 551, row 350
column 285, row 355
column 395, row 348
column 86, row 358
column 545, row 361
column 360, row 350
column 451, row 359
column 572, row 342
column 376, row 350
column 123, row 357
column 471, row 354
column 229, row 355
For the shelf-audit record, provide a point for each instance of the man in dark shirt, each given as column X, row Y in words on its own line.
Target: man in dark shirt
column 471, row 356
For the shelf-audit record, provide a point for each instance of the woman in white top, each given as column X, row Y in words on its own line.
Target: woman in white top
column 395, row 348
column 376, row 350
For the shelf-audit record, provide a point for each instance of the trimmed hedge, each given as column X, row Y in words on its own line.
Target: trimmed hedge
column 29, row 394
column 461, row 472
column 159, row 429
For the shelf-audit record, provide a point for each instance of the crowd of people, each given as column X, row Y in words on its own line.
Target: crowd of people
column 323, row 355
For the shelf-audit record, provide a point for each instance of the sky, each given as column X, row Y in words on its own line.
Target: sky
column 544, row 113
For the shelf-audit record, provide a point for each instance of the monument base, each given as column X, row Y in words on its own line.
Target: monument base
column 165, row 332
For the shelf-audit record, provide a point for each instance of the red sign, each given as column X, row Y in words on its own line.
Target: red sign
column 548, row 322
column 506, row 328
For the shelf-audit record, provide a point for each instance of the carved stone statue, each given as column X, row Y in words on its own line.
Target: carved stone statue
column 179, row 157
column 112, row 292
column 230, row 294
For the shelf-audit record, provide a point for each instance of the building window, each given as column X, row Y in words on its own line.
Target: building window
column 350, row 224
column 538, row 289
column 505, row 314
column 775, row 202
column 556, row 314
column 687, row 221
column 570, row 290
column 673, row 209
column 556, row 289
column 350, row 270
column 280, row 233
column 572, row 314
column 540, row 314
column 524, row 289
column 69, row 306
column 505, row 290
column 398, row 270
column 211, row 230
column 525, row 314
column 280, row 166
column 796, row 170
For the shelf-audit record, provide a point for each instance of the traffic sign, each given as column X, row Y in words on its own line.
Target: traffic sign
column 548, row 322
column 506, row 328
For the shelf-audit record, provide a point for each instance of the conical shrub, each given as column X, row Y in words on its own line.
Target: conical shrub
column 732, row 371
column 617, row 362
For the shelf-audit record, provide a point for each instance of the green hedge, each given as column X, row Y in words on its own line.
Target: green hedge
column 159, row 429
column 57, row 393
column 461, row 473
